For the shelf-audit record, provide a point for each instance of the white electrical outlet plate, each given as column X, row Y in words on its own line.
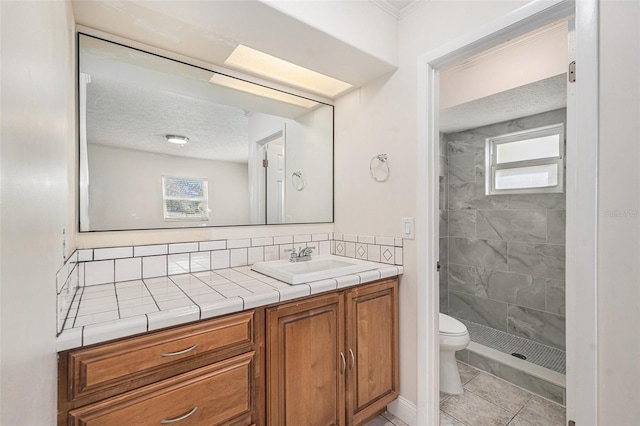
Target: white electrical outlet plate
column 408, row 226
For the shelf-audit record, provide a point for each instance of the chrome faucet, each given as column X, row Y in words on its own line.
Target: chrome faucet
column 301, row 256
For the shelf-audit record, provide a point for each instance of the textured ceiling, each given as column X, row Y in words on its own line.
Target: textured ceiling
column 134, row 117
column 540, row 96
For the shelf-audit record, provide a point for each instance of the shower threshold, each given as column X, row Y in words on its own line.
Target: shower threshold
column 534, row 352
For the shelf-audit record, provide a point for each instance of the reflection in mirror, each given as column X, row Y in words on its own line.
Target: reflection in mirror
column 164, row 144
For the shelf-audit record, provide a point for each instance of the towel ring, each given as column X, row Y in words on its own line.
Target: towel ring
column 379, row 168
column 297, row 181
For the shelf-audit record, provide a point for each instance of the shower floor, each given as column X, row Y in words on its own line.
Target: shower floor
column 536, row 353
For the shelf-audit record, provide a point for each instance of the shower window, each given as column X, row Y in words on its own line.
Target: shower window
column 185, row 199
column 526, row 162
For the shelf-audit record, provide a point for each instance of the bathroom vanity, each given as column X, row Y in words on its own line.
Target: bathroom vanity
column 330, row 358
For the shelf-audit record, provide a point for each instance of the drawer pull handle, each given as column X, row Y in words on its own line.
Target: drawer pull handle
column 344, row 363
column 353, row 360
column 169, row 421
column 180, row 352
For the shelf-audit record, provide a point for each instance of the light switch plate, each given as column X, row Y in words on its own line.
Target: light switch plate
column 408, row 226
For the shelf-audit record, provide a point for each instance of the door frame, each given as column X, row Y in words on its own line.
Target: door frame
column 581, row 229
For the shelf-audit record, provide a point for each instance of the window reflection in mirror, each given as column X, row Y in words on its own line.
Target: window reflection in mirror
column 144, row 117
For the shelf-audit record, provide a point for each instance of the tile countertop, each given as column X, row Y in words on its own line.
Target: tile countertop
column 109, row 311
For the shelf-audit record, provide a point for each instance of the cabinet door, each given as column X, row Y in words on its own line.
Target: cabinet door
column 372, row 349
column 305, row 363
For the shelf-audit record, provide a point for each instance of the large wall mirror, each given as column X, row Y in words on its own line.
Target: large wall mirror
column 164, row 144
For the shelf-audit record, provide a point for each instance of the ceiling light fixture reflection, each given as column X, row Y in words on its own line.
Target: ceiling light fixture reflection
column 255, row 89
column 178, row 140
column 276, row 69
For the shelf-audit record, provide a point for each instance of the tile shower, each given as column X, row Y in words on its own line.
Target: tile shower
column 502, row 256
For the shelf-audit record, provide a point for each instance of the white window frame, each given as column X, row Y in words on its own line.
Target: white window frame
column 492, row 166
column 205, row 198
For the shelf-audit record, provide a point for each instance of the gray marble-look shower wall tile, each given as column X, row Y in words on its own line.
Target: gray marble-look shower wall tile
column 556, row 224
column 471, row 196
column 462, row 223
column 542, row 260
column 444, row 289
column 443, row 224
column 512, row 225
column 443, row 194
column 536, row 201
column 474, row 252
column 462, row 278
column 444, row 251
column 442, row 139
column 462, row 168
column 542, row 119
column 523, row 290
column 480, row 167
column 467, row 142
column 539, row 326
column 518, row 377
column 479, row 310
column 555, row 296
column 444, row 168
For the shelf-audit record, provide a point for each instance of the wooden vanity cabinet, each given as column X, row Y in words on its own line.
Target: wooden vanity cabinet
column 333, row 359
column 210, row 372
column 372, row 349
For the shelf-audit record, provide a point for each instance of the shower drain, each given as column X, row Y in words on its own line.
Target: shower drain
column 517, row 355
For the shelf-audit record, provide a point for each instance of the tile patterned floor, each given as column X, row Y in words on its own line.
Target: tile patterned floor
column 489, row 401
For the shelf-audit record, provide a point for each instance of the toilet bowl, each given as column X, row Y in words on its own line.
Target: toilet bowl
column 454, row 336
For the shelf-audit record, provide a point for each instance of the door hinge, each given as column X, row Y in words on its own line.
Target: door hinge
column 572, row 72
column 438, row 266
column 265, row 163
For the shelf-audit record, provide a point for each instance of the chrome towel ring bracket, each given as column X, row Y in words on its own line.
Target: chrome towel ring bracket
column 297, row 181
column 379, row 168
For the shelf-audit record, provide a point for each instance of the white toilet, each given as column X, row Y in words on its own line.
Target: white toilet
column 454, row 336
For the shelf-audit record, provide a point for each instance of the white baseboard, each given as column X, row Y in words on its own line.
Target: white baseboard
column 405, row 410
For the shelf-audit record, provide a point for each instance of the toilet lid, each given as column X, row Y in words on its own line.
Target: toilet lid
column 451, row 326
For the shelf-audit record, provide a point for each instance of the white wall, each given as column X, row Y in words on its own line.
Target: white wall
column 380, row 118
column 37, row 129
column 619, row 210
column 125, row 188
column 309, row 149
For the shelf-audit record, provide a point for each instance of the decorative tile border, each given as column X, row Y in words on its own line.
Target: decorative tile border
column 88, row 267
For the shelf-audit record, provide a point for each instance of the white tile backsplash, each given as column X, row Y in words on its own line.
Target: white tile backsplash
column 385, row 241
column 154, row 266
column 288, row 239
column 200, row 261
column 368, row 239
column 128, row 269
column 255, row 254
column 261, row 241
column 85, row 255
column 213, row 245
column 178, row 263
column 99, row 272
column 302, row 238
column 320, row 237
column 271, row 253
column 182, row 248
column 151, row 250
column 220, row 259
column 112, row 253
column 238, row 257
column 241, row 243
column 373, row 252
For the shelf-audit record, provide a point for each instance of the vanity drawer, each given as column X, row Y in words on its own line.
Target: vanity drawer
column 130, row 361
column 219, row 393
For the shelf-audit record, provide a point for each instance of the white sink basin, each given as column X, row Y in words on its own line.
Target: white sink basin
column 318, row 268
